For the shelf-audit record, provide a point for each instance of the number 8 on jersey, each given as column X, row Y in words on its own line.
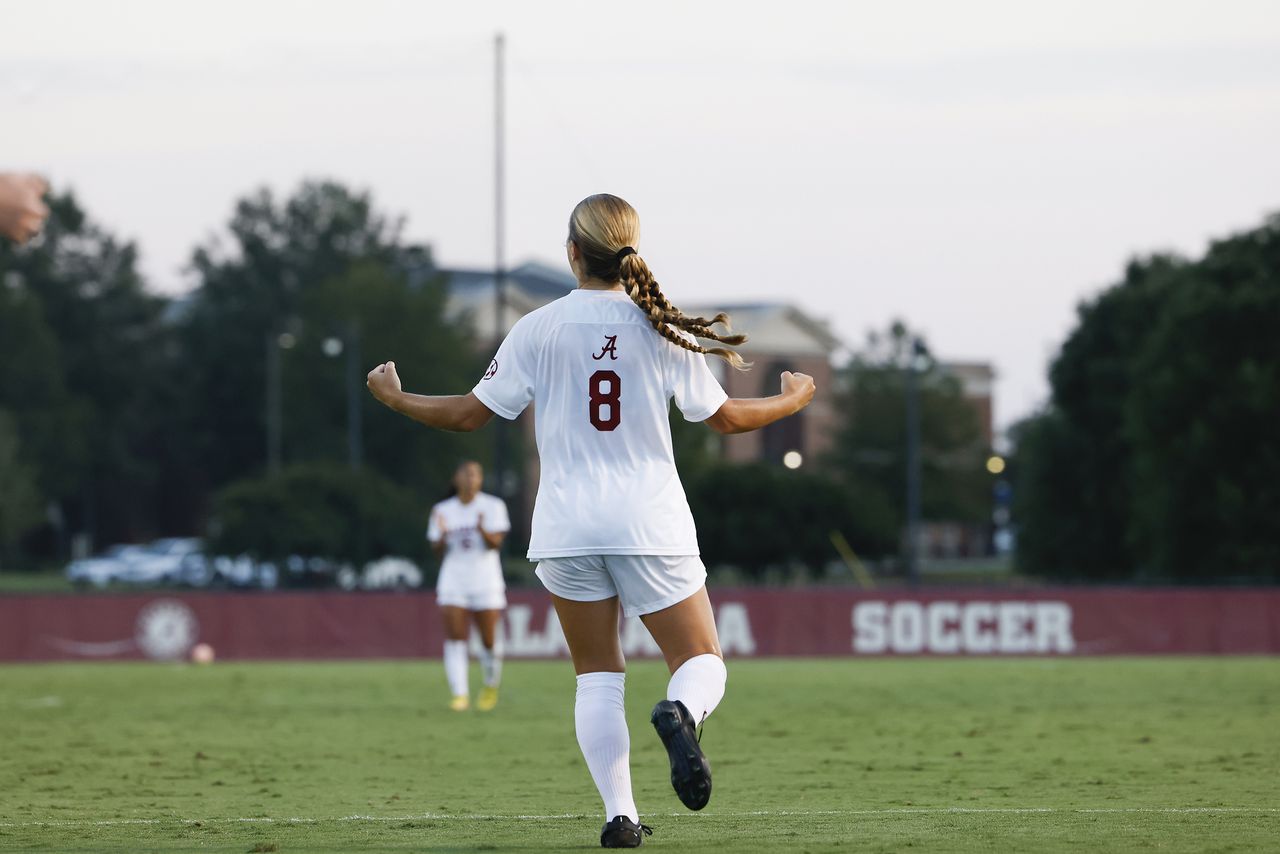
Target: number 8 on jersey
column 605, row 390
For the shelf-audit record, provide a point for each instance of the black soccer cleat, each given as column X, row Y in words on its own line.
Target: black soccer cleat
column 622, row 832
column 690, row 770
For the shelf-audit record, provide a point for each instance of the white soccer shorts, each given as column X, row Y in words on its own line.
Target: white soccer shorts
column 473, row 600
column 642, row 583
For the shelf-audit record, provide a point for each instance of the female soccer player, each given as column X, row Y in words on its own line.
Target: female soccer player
column 467, row 530
column 611, row 526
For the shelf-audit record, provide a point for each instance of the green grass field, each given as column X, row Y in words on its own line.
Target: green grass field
column 923, row 755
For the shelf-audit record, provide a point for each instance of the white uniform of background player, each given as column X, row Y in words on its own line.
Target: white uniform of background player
column 471, row 572
column 467, row 530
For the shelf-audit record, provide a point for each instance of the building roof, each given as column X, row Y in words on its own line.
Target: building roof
column 533, row 279
column 776, row 328
column 529, row 286
column 772, row 327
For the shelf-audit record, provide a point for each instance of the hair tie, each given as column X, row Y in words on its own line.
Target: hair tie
column 624, row 252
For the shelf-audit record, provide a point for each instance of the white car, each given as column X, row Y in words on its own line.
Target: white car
column 116, row 563
column 388, row 573
column 169, row 561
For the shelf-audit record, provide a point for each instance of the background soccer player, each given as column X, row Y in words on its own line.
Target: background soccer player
column 612, row 529
column 467, row 530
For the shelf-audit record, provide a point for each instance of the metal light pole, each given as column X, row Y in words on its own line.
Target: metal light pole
column 499, row 259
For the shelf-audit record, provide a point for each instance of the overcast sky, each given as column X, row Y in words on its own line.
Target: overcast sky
column 975, row 168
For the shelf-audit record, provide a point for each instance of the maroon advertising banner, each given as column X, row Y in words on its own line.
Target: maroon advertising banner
column 752, row 622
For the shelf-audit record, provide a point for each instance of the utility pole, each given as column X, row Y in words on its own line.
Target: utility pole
column 499, row 254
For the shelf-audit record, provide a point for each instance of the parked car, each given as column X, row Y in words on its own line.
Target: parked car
column 241, row 571
column 113, row 564
column 388, row 573
column 182, row 561
column 167, row 561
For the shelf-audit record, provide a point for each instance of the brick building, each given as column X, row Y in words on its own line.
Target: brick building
column 780, row 338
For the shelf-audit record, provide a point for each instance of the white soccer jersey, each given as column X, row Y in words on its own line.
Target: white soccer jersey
column 469, row 564
column 603, row 380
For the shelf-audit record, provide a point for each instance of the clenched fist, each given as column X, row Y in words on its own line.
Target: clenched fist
column 798, row 386
column 384, row 382
column 22, row 208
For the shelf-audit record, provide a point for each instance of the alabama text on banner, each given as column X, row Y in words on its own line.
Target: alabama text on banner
column 752, row 622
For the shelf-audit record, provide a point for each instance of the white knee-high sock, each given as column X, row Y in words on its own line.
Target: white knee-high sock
column 455, row 667
column 699, row 684
column 600, row 716
column 491, row 663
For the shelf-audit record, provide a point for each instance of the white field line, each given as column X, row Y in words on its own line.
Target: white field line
column 111, row 822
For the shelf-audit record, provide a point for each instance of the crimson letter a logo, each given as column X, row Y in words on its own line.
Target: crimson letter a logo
column 610, row 347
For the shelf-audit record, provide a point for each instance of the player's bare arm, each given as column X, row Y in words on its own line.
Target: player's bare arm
column 458, row 413
column 494, row 540
column 438, row 546
column 742, row 415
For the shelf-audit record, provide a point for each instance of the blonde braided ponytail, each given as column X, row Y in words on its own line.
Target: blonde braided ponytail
column 604, row 227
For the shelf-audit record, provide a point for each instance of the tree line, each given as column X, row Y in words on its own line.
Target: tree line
column 126, row 414
column 1158, row 455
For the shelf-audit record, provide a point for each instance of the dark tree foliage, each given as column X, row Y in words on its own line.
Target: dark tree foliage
column 129, row 410
column 246, row 297
column 322, row 264
column 1074, row 488
column 870, row 449
column 20, row 508
column 324, row 511
column 82, row 353
column 1158, row 457
column 757, row 517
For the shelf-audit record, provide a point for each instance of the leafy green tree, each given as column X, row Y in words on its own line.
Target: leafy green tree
column 83, row 349
column 1202, row 418
column 374, row 309
column 325, row 511
column 249, row 294
column 33, row 390
column 1157, row 457
column 1074, row 488
column 19, row 499
column 870, row 447
column 757, row 517
column 321, row 264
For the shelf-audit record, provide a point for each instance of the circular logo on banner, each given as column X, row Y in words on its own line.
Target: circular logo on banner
column 166, row 629
column 493, row 369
